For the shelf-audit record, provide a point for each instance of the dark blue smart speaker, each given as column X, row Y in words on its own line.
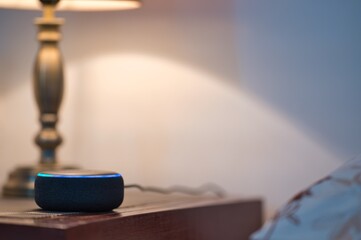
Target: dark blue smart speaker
column 79, row 190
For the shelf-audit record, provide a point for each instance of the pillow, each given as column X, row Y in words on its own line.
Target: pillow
column 330, row 209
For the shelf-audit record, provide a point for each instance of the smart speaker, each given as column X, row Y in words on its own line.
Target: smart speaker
column 79, row 190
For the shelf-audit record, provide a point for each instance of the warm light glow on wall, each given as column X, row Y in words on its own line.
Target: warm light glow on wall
column 172, row 121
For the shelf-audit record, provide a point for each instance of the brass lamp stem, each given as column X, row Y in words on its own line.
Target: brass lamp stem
column 48, row 11
column 48, row 82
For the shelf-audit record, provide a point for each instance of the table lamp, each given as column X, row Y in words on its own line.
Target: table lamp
column 48, row 83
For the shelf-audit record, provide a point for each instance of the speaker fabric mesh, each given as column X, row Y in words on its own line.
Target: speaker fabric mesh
column 79, row 193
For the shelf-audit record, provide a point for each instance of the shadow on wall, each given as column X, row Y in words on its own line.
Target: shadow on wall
column 199, row 33
column 304, row 59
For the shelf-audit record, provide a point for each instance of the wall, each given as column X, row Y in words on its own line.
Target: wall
column 260, row 97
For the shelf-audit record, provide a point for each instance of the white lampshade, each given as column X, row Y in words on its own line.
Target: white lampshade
column 76, row 5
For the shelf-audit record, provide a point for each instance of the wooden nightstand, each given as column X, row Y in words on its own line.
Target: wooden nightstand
column 143, row 216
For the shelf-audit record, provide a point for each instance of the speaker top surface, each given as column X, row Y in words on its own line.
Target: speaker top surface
column 79, row 174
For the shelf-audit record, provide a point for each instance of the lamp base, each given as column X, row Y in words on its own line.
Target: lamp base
column 20, row 182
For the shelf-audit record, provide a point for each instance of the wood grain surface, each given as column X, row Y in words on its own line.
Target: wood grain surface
column 143, row 216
